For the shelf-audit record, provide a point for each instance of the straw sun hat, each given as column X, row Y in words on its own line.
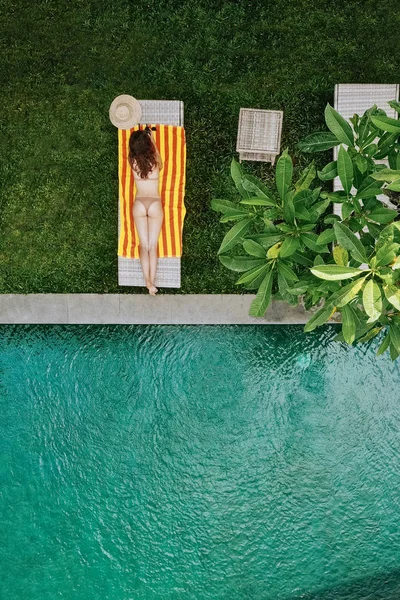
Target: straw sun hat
column 125, row 112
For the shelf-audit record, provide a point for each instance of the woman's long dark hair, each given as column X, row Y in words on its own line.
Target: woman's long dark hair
column 142, row 153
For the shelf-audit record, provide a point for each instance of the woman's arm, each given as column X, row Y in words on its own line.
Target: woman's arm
column 158, row 155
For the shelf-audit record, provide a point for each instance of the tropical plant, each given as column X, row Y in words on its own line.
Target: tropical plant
column 373, row 137
column 370, row 303
column 287, row 245
column 277, row 231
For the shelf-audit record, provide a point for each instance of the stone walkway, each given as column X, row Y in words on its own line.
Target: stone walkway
column 191, row 309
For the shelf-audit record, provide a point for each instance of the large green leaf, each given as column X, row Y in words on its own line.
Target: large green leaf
column 273, row 252
column 386, row 175
column 303, row 198
column 394, row 158
column 348, row 324
column 347, row 210
column 254, row 249
column 237, row 175
column 234, row 214
column 350, row 242
column 257, row 281
column 286, row 272
column 223, row 205
column 335, row 272
column 349, row 292
column 236, row 172
column 288, row 208
column 283, row 290
column 382, row 215
column 385, row 237
column 318, row 209
column 386, row 123
column 340, row 256
column 301, row 259
column 263, row 298
column 283, row 174
column 384, row 345
column 289, row 246
column 363, row 129
column 339, row 197
column 372, row 300
column 234, row 235
column 318, row 142
column 310, row 240
column 306, row 178
column 240, row 263
column 258, row 202
column 299, row 288
column 395, row 104
column 392, row 294
column 319, row 318
column 328, row 172
column 361, row 163
column 395, row 186
column 345, row 169
column 339, row 126
column 371, row 333
column 326, row 237
column 394, row 353
column 386, row 254
column 345, row 294
column 267, row 239
column 394, row 332
column 302, row 213
column 254, row 185
column 370, row 192
column 252, row 274
column 386, row 145
column 366, row 183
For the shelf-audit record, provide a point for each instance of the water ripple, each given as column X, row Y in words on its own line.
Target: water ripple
column 197, row 462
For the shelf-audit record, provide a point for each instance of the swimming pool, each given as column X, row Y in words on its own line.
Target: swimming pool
column 221, row 462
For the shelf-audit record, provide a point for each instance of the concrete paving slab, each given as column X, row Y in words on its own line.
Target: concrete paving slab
column 33, row 308
column 211, row 309
column 145, row 309
column 281, row 313
column 169, row 309
column 85, row 309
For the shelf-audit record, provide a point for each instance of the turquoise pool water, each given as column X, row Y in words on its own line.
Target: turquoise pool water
column 198, row 463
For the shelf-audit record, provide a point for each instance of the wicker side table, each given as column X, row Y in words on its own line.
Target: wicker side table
column 259, row 134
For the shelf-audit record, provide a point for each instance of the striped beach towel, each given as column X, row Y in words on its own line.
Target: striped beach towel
column 170, row 141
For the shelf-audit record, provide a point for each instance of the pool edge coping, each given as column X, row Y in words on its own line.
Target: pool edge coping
column 143, row 309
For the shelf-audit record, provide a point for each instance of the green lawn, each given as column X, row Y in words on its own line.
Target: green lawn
column 62, row 64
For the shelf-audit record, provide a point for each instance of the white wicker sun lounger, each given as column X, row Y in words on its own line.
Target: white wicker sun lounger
column 259, row 134
column 164, row 112
column 352, row 98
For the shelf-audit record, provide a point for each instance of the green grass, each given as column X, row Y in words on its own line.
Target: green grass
column 62, row 64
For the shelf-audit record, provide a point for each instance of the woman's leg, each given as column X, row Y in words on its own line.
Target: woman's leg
column 140, row 216
column 155, row 219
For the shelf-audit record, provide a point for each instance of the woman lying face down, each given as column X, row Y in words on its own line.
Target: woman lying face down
column 145, row 161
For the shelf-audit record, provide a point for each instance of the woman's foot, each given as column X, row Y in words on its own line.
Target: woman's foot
column 152, row 288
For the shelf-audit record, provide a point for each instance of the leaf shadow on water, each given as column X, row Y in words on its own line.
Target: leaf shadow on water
column 382, row 586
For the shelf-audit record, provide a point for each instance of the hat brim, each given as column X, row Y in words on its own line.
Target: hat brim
column 133, row 109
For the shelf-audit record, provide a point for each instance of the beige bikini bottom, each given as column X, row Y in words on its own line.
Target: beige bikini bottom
column 147, row 201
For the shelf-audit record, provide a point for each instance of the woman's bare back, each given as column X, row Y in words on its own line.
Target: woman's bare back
column 147, row 187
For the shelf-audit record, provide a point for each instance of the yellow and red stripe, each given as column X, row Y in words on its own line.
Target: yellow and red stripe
column 170, row 141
